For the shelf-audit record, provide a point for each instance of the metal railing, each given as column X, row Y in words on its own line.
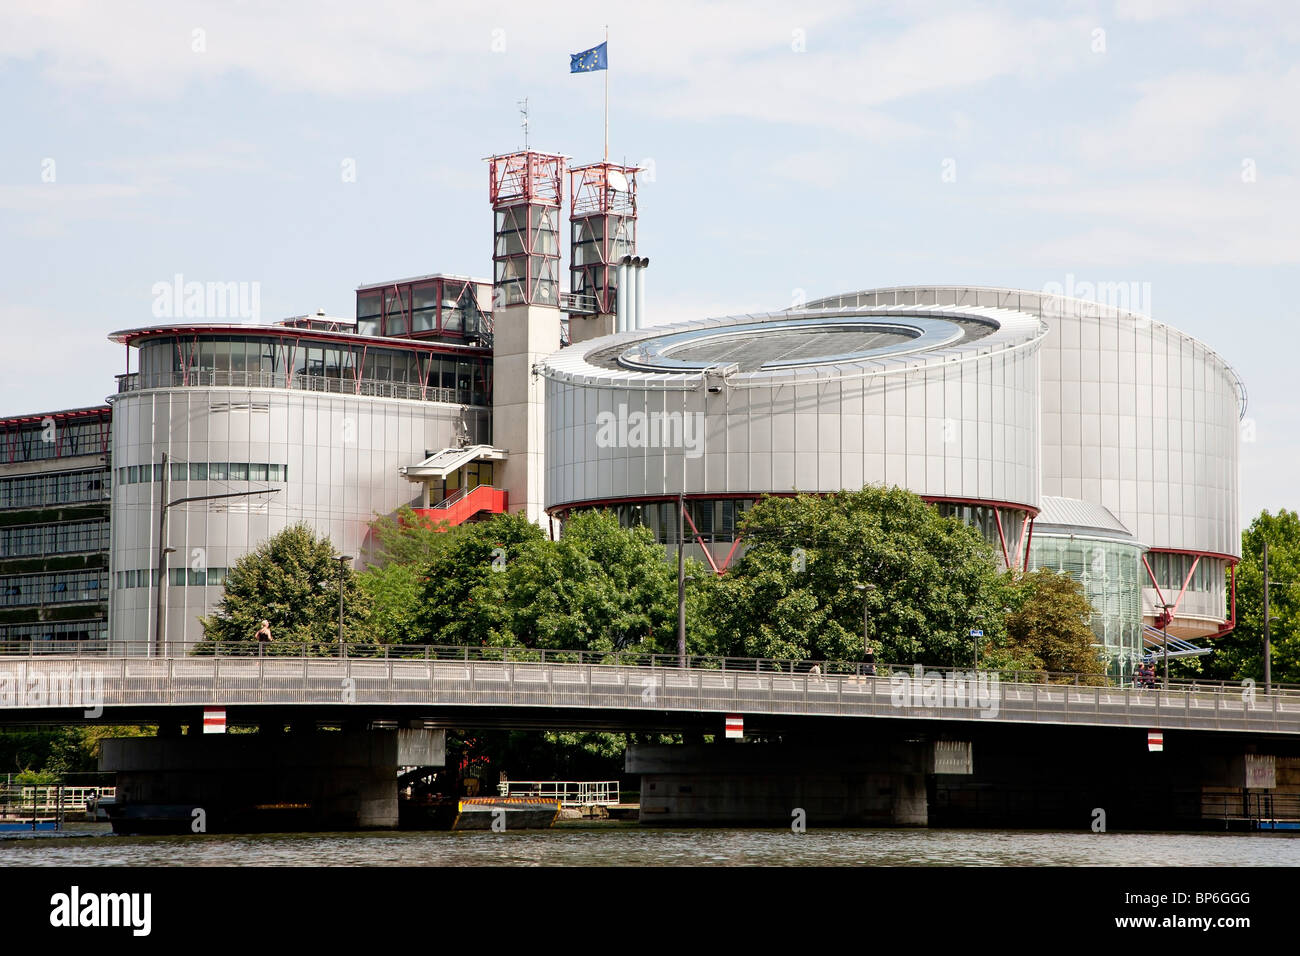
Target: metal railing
column 1243, row 805
column 569, row 793
column 450, row 652
column 336, row 679
column 346, row 385
column 577, row 303
column 452, row 498
column 21, row 800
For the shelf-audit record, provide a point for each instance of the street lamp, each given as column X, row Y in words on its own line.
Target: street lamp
column 681, row 579
column 342, row 559
column 163, row 507
column 1165, row 618
column 1268, row 639
column 866, row 589
column 163, row 570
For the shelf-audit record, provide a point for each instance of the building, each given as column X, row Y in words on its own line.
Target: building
column 1072, row 435
column 306, row 421
column 54, row 525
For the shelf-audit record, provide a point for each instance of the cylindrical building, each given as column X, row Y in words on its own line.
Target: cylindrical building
column 942, row 401
column 1139, row 419
column 992, row 403
column 320, row 421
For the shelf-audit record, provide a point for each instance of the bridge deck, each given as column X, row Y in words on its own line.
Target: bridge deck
column 29, row 686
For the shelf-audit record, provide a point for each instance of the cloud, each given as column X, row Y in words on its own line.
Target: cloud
column 1235, row 223
column 676, row 59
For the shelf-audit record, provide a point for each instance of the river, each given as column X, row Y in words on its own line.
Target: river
column 613, row 844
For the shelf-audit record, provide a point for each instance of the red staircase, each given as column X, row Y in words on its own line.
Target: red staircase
column 459, row 506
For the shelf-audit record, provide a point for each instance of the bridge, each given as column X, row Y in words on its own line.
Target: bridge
column 906, row 746
column 583, row 689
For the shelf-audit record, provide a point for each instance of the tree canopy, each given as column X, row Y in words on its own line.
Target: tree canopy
column 1240, row 654
column 599, row 587
column 292, row 580
column 1048, row 628
column 927, row 581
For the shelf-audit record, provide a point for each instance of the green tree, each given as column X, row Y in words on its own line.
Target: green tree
column 929, row 580
column 1240, row 654
column 393, row 591
column 1049, row 627
column 408, row 538
column 461, row 590
column 293, row 581
column 599, row 587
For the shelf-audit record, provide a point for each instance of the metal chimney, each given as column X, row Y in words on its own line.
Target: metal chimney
column 638, row 310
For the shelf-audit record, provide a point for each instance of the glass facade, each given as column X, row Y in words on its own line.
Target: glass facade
column 716, row 520
column 527, row 255
column 437, row 308
column 57, row 588
column 56, row 488
column 68, row 537
column 311, row 365
column 985, row 519
column 204, row 471
column 1172, row 570
column 54, row 436
column 54, row 525
column 92, row 630
column 593, row 257
column 1111, row 574
column 176, row 577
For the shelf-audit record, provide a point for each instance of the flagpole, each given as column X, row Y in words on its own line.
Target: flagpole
column 607, row 92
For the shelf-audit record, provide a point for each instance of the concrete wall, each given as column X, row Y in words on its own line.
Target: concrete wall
column 247, row 782
column 769, row 785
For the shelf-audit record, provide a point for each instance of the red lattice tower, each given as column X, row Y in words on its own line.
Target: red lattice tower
column 602, row 220
column 526, row 189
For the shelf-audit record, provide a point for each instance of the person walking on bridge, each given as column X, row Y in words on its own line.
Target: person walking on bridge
column 263, row 636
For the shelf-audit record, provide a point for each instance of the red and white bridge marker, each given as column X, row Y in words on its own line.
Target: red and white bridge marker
column 214, row 721
column 735, row 727
column 1155, row 740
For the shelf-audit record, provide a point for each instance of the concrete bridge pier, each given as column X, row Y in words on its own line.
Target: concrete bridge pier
column 264, row 782
column 880, row 784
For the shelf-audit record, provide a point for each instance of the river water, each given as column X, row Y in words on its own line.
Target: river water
column 613, row 844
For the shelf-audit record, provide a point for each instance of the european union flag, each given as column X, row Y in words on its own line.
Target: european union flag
column 588, row 61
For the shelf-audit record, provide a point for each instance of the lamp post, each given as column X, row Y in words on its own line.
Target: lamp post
column 1268, row 640
column 342, row 559
column 866, row 589
column 681, row 580
column 1165, row 618
column 164, row 506
column 162, row 571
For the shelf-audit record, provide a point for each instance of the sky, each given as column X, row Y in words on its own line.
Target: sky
column 790, row 150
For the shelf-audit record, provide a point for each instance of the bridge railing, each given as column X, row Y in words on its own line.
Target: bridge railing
column 622, row 658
